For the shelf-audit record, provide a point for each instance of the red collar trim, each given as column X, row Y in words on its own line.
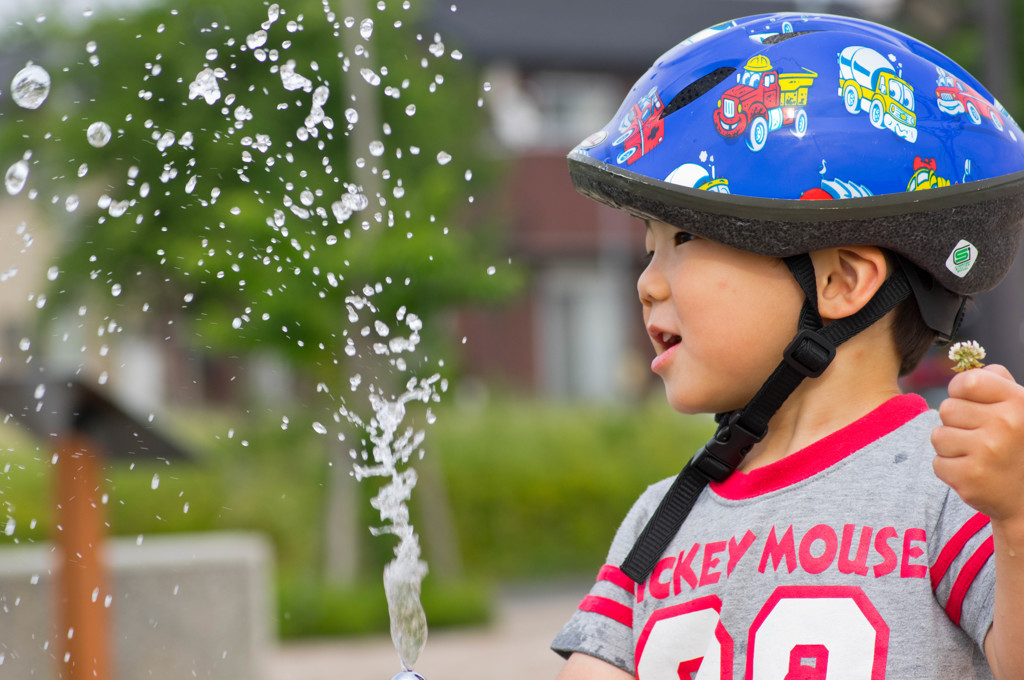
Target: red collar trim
column 824, row 453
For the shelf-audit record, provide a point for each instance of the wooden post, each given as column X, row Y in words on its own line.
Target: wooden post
column 82, row 582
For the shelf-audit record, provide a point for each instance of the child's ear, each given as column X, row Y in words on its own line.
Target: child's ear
column 848, row 277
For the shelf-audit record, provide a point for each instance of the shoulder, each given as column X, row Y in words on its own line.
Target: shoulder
column 636, row 519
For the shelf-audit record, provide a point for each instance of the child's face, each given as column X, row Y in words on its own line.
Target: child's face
column 719, row 318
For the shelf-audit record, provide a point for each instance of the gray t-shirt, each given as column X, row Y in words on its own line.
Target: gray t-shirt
column 848, row 559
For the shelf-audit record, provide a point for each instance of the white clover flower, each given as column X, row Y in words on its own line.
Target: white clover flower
column 967, row 354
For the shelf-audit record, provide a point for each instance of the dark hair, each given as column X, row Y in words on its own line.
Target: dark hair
column 911, row 335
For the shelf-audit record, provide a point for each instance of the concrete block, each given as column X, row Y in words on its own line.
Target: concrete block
column 183, row 606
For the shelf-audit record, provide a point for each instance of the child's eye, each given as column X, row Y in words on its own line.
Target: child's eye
column 682, row 237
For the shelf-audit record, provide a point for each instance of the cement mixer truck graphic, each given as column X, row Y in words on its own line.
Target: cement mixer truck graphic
column 763, row 100
column 868, row 82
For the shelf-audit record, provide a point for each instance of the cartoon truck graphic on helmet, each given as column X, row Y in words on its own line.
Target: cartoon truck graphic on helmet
column 697, row 177
column 868, row 82
column 954, row 97
column 763, row 100
column 926, row 175
column 641, row 129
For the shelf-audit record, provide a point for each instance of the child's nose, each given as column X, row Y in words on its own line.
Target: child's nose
column 652, row 284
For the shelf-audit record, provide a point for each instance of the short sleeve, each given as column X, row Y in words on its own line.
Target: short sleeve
column 963, row 571
column 602, row 625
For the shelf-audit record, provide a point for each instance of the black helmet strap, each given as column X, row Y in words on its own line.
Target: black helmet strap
column 807, row 356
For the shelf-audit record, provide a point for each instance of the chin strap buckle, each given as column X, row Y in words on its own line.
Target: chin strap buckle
column 723, row 453
column 810, row 353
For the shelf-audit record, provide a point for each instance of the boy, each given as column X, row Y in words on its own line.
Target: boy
column 833, row 527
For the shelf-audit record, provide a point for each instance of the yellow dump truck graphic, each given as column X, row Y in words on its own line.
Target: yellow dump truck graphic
column 868, row 82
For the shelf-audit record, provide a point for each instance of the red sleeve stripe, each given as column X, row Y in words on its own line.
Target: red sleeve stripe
column 615, row 611
column 954, row 606
column 955, row 546
column 617, row 577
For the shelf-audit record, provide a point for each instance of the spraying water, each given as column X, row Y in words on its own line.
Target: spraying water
column 295, row 226
column 388, row 455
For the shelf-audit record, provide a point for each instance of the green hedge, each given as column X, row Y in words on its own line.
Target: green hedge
column 539, row 489
column 535, row 490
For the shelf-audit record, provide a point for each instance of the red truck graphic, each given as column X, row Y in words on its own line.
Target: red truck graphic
column 641, row 129
column 763, row 100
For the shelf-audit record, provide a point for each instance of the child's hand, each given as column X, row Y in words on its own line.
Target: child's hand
column 980, row 444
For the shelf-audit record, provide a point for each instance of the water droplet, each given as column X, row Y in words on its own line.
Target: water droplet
column 155, row 483
column 370, row 76
column 257, row 39
column 16, row 177
column 352, row 116
column 9, row 527
column 456, row 55
column 410, row 110
column 366, row 28
column 98, row 134
column 377, row 147
column 211, row 54
column 319, row 428
column 491, row 270
column 320, row 95
column 166, row 139
column 71, row 203
column 118, row 208
column 292, row 80
column 30, row 86
column 205, row 86
column 443, row 158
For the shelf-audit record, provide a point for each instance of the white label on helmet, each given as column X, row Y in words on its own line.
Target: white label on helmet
column 962, row 258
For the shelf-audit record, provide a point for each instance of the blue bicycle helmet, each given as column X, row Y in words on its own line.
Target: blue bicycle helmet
column 732, row 132
column 781, row 134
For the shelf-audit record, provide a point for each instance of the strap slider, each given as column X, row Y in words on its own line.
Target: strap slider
column 810, row 353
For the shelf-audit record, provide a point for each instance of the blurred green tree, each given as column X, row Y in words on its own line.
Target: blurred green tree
column 264, row 164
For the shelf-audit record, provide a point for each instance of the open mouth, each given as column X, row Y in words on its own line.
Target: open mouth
column 667, row 341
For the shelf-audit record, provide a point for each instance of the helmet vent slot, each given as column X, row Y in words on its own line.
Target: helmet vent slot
column 694, row 90
column 782, row 37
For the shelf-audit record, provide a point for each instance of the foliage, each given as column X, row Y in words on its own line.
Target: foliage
column 311, row 610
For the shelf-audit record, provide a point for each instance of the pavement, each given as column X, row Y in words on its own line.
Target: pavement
column 514, row 646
